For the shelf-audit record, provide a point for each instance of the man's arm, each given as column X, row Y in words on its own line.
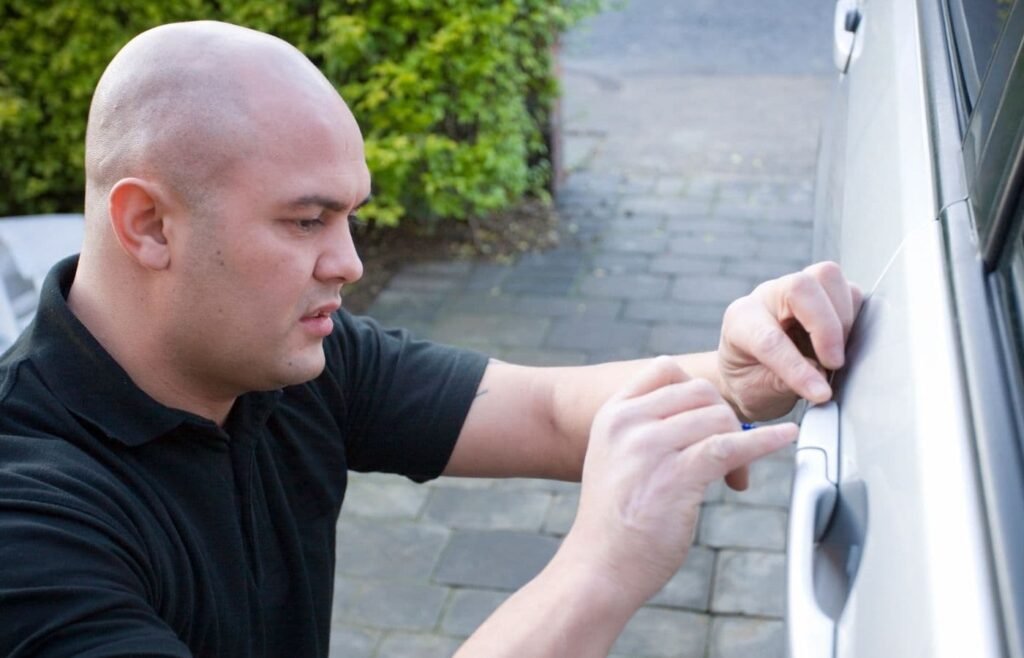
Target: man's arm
column 776, row 343
column 654, row 447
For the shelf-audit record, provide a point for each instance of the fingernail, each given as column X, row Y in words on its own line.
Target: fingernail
column 819, row 390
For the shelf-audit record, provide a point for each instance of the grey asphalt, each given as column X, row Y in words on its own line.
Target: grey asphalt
column 690, row 145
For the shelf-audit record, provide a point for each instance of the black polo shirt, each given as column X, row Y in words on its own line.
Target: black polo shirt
column 128, row 528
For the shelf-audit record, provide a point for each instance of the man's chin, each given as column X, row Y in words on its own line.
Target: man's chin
column 301, row 371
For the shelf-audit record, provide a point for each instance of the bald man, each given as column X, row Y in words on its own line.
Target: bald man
column 178, row 421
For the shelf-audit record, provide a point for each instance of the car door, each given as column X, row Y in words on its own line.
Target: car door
column 907, row 517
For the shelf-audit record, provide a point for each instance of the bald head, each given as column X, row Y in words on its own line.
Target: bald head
column 184, row 103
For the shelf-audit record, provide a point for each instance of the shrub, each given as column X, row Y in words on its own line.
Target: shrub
column 453, row 95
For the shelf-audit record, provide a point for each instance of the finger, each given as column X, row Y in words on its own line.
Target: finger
column 846, row 296
column 858, row 299
column 738, row 479
column 691, row 427
column 763, row 338
column 812, row 307
column 712, row 458
column 659, row 372
column 676, row 398
column 838, row 289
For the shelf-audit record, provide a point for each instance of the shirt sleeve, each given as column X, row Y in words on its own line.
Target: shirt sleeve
column 403, row 400
column 70, row 582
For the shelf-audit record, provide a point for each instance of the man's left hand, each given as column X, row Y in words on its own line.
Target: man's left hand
column 779, row 341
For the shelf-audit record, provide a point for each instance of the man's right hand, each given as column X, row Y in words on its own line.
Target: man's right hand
column 654, row 448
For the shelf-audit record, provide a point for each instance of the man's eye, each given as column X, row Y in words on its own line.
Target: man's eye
column 354, row 221
column 309, row 224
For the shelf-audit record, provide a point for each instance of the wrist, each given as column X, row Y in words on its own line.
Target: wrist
column 602, row 582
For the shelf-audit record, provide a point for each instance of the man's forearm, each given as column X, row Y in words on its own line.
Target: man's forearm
column 563, row 611
column 577, row 393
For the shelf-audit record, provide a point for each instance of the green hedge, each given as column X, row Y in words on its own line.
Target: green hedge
column 452, row 95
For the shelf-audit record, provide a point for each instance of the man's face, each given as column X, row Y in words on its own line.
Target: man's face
column 263, row 269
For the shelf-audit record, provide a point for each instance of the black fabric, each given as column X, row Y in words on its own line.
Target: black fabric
column 131, row 529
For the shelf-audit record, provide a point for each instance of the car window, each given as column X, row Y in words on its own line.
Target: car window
column 977, row 25
column 993, row 147
column 1012, row 275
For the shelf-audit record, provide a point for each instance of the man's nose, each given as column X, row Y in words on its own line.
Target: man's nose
column 339, row 260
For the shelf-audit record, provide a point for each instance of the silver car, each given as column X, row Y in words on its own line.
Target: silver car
column 906, row 532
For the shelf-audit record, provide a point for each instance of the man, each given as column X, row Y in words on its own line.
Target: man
column 178, row 421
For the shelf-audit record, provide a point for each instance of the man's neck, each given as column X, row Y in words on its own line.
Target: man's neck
column 141, row 351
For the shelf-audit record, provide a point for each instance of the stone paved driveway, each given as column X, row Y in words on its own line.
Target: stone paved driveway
column 691, row 181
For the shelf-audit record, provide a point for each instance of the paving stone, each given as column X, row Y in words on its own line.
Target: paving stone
column 742, row 637
column 728, row 525
column 389, row 605
column 540, row 284
column 786, row 248
column 690, row 587
column 494, row 509
column 625, row 286
column 761, row 269
column 620, row 263
column 497, row 559
column 633, row 224
column 709, row 245
column 709, row 314
column 728, row 208
column 749, row 583
column 658, row 632
column 383, row 496
column 450, row 268
column 666, row 206
column 636, row 243
column 561, row 514
column 556, row 307
column 481, row 302
column 771, row 482
column 555, row 261
column 418, row 281
column 715, row 493
column 375, row 549
column 712, row 228
column 671, row 186
column 795, row 230
column 351, row 642
column 465, row 328
column 394, row 308
column 618, row 353
column 679, row 339
column 469, row 608
column 709, row 290
column 685, row 265
column 463, row 482
column 418, row 645
column 486, row 276
column 544, row 358
column 589, row 336
column 537, row 484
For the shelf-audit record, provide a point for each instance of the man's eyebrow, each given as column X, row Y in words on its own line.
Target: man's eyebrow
column 324, row 202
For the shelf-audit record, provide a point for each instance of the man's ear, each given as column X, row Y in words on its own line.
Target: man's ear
column 137, row 210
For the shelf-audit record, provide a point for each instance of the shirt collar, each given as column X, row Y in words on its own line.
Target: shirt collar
column 91, row 384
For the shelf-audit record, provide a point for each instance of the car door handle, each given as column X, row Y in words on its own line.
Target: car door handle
column 809, row 629
column 844, row 29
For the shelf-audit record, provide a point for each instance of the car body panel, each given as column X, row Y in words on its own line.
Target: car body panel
column 918, row 557
column 922, row 587
column 883, row 137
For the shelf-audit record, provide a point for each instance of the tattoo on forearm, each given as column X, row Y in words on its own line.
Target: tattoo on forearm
column 479, row 393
